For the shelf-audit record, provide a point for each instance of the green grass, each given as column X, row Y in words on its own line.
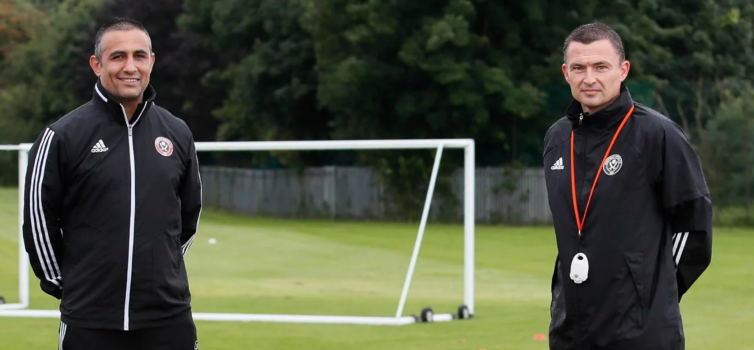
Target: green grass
column 322, row 267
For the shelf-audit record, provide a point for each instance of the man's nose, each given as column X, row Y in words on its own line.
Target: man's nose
column 590, row 77
column 130, row 65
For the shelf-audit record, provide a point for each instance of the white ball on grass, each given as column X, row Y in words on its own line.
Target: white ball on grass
column 212, row 241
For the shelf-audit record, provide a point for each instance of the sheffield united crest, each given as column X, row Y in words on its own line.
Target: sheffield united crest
column 163, row 146
column 613, row 164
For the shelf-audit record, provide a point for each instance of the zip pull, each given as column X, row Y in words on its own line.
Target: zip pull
column 581, row 118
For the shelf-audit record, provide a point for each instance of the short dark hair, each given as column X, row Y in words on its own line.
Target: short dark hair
column 591, row 32
column 117, row 23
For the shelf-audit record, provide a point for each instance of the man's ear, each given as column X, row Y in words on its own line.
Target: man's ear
column 95, row 64
column 565, row 73
column 625, row 66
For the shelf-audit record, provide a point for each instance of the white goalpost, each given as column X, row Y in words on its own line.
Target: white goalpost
column 465, row 311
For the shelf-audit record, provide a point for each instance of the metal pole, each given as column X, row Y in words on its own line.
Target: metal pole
column 468, row 227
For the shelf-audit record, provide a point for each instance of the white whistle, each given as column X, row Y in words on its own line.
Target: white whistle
column 579, row 268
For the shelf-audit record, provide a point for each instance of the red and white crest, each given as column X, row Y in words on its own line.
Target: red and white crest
column 163, row 146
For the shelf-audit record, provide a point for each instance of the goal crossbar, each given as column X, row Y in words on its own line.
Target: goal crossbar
column 21, row 309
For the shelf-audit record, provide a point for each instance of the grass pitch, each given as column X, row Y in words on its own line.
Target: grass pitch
column 333, row 268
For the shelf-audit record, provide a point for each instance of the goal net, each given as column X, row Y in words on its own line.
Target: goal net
column 238, row 252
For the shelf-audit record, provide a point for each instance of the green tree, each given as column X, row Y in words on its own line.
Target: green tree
column 730, row 140
column 36, row 76
column 266, row 69
column 179, row 64
column 687, row 49
column 18, row 22
column 438, row 69
column 699, row 53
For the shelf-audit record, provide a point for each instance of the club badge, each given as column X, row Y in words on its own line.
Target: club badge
column 613, row 164
column 163, row 146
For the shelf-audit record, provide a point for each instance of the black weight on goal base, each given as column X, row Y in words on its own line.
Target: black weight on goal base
column 427, row 314
column 2, row 300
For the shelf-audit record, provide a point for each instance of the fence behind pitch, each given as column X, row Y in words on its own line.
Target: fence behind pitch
column 502, row 195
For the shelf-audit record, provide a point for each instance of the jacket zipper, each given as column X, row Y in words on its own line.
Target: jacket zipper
column 131, row 224
column 578, row 244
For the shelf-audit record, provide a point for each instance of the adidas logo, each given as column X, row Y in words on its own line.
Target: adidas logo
column 558, row 164
column 99, row 147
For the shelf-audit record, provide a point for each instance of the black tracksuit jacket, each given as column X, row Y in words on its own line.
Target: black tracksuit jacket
column 110, row 209
column 647, row 234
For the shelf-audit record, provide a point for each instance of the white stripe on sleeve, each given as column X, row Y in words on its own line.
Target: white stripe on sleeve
column 41, row 235
column 679, row 242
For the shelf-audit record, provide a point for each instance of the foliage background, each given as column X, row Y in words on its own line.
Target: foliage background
column 367, row 69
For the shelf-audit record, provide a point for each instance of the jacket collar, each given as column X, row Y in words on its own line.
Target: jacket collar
column 606, row 117
column 103, row 98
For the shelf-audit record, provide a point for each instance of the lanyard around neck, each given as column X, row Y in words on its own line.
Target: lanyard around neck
column 579, row 220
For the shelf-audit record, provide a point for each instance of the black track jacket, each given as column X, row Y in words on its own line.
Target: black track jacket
column 647, row 234
column 110, row 210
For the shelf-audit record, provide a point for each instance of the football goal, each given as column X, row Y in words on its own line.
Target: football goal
column 20, row 306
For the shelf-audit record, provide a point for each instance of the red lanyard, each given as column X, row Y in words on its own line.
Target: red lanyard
column 580, row 221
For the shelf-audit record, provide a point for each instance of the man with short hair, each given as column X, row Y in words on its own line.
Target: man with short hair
column 630, row 207
column 112, row 203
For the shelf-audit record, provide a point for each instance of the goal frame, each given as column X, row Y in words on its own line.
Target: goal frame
column 465, row 311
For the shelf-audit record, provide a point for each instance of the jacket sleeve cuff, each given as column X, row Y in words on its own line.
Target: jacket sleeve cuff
column 52, row 289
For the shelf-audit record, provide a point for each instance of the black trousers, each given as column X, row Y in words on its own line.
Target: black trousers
column 178, row 336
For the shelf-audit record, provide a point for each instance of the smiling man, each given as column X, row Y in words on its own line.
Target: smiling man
column 630, row 207
column 112, row 204
column 124, row 69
